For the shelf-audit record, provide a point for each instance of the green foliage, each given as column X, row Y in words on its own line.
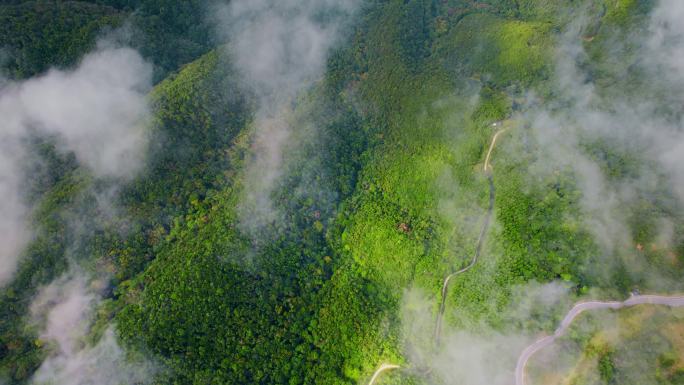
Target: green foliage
column 198, row 114
column 494, row 105
column 415, row 24
column 36, row 35
column 196, row 303
column 499, row 50
column 170, row 33
column 345, row 329
column 389, row 194
column 621, row 12
column 606, row 367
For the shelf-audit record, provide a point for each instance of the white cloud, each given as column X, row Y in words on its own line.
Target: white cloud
column 647, row 124
column 97, row 111
column 64, row 311
column 280, row 48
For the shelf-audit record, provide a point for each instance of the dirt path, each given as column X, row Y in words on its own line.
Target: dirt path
column 381, row 369
column 476, row 256
column 480, row 241
column 579, row 308
column 491, row 148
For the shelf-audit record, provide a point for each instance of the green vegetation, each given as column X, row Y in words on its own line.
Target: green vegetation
column 38, row 34
column 388, row 195
column 611, row 348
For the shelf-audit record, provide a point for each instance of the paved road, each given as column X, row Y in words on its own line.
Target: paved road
column 579, row 308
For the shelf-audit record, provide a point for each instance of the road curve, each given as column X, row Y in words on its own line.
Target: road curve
column 491, row 148
column 579, row 308
column 380, row 370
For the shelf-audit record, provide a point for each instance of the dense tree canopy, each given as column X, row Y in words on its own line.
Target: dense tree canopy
column 387, row 195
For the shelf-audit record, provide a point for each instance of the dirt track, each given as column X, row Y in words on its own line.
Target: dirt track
column 480, row 241
column 577, row 309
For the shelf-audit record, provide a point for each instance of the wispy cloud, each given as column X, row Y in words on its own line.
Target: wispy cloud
column 63, row 310
column 574, row 111
column 637, row 115
column 280, row 49
column 479, row 354
column 97, row 112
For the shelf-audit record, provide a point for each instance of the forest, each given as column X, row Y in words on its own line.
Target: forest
column 292, row 182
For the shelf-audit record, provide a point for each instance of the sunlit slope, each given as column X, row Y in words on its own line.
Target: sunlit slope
column 196, row 116
column 320, row 303
column 418, row 207
column 420, row 200
column 239, row 313
column 388, row 195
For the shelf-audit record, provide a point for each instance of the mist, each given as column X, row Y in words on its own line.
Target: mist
column 97, row 112
column 280, row 50
column 639, row 113
column 64, row 311
column 479, row 353
column 636, row 114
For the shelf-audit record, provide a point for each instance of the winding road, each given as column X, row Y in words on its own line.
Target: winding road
column 579, row 308
column 476, row 256
column 487, row 168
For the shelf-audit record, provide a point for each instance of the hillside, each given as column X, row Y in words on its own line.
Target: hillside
column 309, row 180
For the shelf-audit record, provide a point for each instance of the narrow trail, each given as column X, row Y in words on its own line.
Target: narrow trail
column 487, row 168
column 476, row 256
column 579, row 308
